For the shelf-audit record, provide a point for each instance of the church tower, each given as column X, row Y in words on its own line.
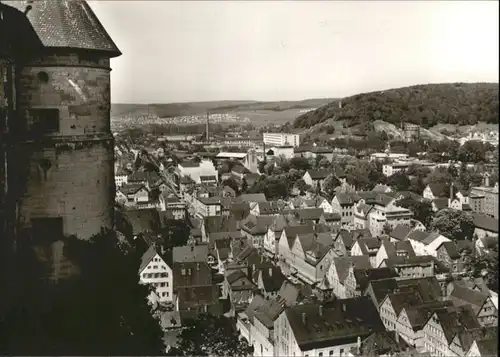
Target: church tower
column 63, row 157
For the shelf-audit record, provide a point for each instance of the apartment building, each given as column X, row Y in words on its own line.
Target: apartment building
column 281, row 139
column 155, row 271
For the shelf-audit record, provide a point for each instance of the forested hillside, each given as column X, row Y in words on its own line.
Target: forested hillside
column 424, row 105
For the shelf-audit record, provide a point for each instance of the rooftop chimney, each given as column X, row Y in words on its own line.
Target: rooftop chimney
column 320, row 308
column 304, row 318
column 270, row 271
column 358, row 345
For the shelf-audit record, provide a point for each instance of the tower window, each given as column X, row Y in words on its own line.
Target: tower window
column 44, row 120
column 43, row 77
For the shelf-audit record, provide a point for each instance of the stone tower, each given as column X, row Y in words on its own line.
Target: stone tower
column 63, row 156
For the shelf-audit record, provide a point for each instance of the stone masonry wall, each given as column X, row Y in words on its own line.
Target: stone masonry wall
column 70, row 173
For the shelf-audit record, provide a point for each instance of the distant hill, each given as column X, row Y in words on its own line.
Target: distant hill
column 196, row 108
column 424, row 105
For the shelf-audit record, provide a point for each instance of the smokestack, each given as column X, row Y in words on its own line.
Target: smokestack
column 304, row 318
column 320, row 308
column 208, row 136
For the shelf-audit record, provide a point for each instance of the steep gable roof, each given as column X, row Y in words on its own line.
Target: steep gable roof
column 68, row 24
column 400, row 232
column 190, row 253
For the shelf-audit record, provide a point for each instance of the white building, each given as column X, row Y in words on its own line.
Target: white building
column 155, row 271
column 195, row 170
column 281, row 139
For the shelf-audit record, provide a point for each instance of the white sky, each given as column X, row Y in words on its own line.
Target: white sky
column 291, row 50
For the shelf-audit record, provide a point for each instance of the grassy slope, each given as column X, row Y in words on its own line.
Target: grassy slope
column 194, row 108
column 424, row 105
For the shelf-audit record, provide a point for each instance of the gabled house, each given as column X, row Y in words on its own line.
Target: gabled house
column 264, row 208
column 433, row 191
column 134, row 192
column 316, row 178
column 239, row 289
column 420, row 266
column 399, row 233
column 269, row 280
column 339, row 270
column 255, row 228
column 156, row 271
column 485, row 226
column 307, row 215
column 388, row 249
column 426, row 243
column 463, row 340
column 381, row 344
column 454, row 255
column 287, row 238
column 357, row 280
column 481, row 304
column 483, row 348
column 368, row 247
column 272, row 237
column 330, row 329
column 343, row 204
column 412, row 318
column 309, row 256
column 217, row 224
column 441, row 327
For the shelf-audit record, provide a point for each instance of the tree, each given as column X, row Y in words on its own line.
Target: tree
column 441, row 179
column 399, row 181
column 364, row 175
column 422, row 210
column 300, row 163
column 329, row 185
column 210, row 336
column 231, row 182
column 453, row 224
column 485, row 266
column 72, row 317
column 473, row 151
column 301, row 185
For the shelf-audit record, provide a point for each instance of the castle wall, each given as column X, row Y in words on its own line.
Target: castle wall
column 69, row 169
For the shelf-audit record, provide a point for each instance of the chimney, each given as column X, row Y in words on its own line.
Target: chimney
column 343, row 307
column 304, row 318
column 486, row 180
column 358, row 345
column 270, row 271
column 396, row 335
column 320, row 308
column 197, row 266
column 208, row 116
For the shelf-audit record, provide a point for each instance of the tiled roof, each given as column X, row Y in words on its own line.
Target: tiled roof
column 335, row 323
column 488, row 347
column 191, row 275
column 462, row 295
column 381, row 343
column 400, row 232
column 256, row 224
column 468, row 337
column 17, row 36
column 68, row 24
column 272, row 278
column 418, row 314
column 364, row 276
column 319, row 174
column 190, row 253
column 440, row 203
column 484, row 222
column 131, row 188
column 454, row 319
column 347, row 198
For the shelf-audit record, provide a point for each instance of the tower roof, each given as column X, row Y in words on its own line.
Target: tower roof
column 67, row 24
column 17, row 36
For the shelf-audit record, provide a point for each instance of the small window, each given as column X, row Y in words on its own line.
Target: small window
column 331, row 353
column 44, row 120
column 183, row 271
column 43, row 77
